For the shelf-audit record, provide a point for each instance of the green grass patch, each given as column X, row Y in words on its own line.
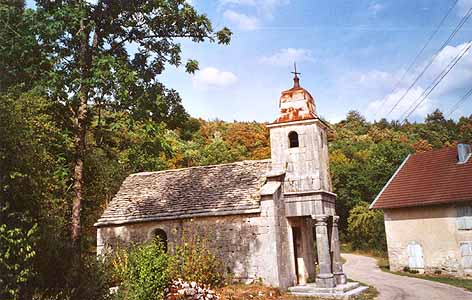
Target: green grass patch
column 459, row 282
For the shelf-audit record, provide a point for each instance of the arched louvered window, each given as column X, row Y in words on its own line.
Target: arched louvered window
column 293, row 139
column 161, row 236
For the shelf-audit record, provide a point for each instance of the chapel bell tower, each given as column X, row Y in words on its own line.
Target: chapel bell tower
column 300, row 163
column 299, row 144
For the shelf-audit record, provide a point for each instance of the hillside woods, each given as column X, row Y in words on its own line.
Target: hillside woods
column 36, row 199
column 80, row 110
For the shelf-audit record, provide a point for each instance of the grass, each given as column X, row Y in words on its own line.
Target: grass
column 258, row 291
column 382, row 262
column 459, row 282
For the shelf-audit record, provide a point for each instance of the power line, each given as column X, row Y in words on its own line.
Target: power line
column 418, row 55
column 437, row 80
column 458, row 103
column 451, row 36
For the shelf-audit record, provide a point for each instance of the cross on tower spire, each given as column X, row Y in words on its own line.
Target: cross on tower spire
column 296, row 80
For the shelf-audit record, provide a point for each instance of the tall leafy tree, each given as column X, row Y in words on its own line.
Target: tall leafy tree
column 110, row 53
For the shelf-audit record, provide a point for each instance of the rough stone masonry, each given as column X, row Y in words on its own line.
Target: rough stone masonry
column 261, row 217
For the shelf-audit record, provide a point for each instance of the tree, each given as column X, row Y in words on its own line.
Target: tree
column 22, row 62
column 366, row 228
column 110, row 53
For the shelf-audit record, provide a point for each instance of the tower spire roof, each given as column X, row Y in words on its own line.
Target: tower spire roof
column 296, row 104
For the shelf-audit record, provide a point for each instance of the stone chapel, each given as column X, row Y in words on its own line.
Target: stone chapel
column 271, row 219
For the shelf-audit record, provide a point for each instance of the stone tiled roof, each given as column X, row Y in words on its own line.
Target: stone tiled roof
column 428, row 178
column 198, row 191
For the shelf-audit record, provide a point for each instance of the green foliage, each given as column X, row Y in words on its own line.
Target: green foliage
column 194, row 261
column 146, row 272
column 366, row 228
column 16, row 254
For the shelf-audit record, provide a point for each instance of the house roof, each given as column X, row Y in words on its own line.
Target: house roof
column 198, row 191
column 427, row 178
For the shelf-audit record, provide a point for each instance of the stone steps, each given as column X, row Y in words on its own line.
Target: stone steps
column 342, row 291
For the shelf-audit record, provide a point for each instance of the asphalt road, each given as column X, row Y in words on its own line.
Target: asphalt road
column 396, row 287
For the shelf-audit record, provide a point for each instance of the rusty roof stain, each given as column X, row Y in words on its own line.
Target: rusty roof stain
column 296, row 104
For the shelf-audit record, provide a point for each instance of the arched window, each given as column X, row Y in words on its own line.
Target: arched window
column 293, row 139
column 161, row 236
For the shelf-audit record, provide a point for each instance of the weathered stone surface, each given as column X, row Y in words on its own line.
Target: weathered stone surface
column 434, row 228
column 325, row 278
column 182, row 290
column 221, row 189
column 255, row 215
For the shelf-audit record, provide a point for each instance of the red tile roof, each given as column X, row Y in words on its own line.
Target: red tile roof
column 432, row 177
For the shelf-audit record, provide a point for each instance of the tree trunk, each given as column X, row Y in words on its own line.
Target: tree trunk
column 79, row 138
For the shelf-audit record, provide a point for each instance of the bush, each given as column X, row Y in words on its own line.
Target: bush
column 193, row 261
column 366, row 228
column 89, row 281
column 16, row 254
column 146, row 272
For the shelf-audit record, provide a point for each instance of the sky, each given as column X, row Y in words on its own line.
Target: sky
column 352, row 55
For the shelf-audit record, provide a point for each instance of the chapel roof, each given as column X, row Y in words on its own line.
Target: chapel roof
column 433, row 177
column 197, row 191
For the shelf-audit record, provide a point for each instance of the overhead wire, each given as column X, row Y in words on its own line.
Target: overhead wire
column 458, row 103
column 436, row 82
column 451, row 36
column 418, row 55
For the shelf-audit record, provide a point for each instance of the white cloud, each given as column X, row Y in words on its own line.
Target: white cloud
column 264, row 8
column 381, row 107
column 459, row 77
column 375, row 7
column 378, row 85
column 286, row 57
column 211, row 78
column 242, row 21
column 463, row 7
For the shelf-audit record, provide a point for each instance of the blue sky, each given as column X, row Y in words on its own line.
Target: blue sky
column 350, row 53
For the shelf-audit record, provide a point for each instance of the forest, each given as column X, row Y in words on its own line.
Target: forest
column 78, row 114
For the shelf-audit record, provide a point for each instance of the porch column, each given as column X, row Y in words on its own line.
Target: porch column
column 335, row 248
column 325, row 278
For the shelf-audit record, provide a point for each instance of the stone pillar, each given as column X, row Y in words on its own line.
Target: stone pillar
column 325, row 278
column 335, row 248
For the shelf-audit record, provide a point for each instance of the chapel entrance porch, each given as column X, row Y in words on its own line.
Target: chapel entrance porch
column 317, row 258
column 316, row 243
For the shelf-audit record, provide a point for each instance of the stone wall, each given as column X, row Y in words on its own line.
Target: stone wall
column 434, row 228
column 307, row 166
column 253, row 246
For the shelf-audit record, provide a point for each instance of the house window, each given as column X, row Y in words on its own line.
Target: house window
column 161, row 236
column 464, row 217
column 293, row 139
column 466, row 254
column 415, row 256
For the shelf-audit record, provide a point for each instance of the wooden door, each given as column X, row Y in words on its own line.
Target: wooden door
column 298, row 255
column 415, row 256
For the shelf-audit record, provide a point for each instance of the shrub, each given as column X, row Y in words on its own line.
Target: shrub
column 146, row 273
column 16, row 253
column 366, row 228
column 193, row 261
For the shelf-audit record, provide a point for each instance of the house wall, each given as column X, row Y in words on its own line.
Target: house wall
column 432, row 227
column 253, row 247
